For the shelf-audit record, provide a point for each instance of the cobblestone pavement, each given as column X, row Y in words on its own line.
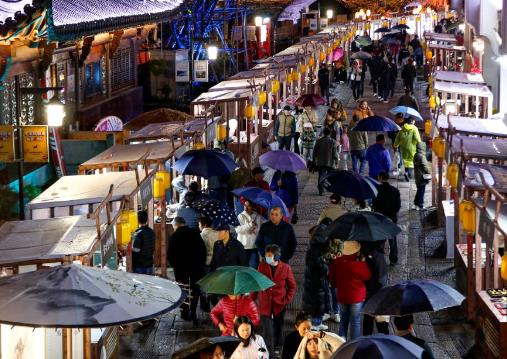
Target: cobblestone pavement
column 446, row 331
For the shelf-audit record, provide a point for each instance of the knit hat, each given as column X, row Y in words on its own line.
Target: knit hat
column 350, row 247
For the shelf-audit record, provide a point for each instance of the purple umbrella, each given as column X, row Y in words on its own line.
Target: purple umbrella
column 283, row 160
column 337, row 54
column 376, row 124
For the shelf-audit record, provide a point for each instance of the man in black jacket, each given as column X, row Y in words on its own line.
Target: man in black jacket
column 388, row 203
column 276, row 231
column 323, row 76
column 187, row 255
column 143, row 246
column 325, row 155
column 404, row 328
column 227, row 251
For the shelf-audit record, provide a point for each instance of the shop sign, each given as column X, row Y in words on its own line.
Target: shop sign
column 486, row 229
column 6, row 143
column 146, row 193
column 107, row 245
column 35, row 144
column 201, row 71
column 181, row 66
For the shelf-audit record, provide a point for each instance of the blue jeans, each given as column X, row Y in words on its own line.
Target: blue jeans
column 350, row 314
column 284, row 142
column 143, row 270
column 335, row 306
column 358, row 155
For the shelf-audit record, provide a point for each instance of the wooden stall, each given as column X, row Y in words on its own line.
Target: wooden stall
column 435, row 38
column 447, row 57
column 466, row 99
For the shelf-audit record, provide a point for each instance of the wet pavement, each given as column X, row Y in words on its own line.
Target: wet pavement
column 447, row 333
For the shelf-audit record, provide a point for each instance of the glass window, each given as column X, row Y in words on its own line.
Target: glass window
column 93, row 79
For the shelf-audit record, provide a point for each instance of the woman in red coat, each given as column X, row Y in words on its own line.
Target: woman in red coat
column 274, row 300
column 347, row 274
column 230, row 307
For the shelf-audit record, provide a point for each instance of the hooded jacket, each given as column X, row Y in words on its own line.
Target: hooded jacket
column 327, row 346
column 421, row 165
column 378, row 159
column 407, row 140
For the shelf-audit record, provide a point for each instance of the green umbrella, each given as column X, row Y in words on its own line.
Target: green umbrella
column 235, row 280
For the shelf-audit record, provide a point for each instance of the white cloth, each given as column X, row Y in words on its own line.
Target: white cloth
column 252, row 350
column 327, row 346
column 246, row 232
column 209, row 236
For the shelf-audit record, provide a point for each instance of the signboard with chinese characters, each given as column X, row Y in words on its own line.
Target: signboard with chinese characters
column 201, row 70
column 35, row 144
column 6, row 143
column 146, row 193
column 181, row 66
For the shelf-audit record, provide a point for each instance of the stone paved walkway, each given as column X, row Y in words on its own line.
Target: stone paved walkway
column 446, row 331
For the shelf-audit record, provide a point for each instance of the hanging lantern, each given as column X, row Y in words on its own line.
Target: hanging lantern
column 385, row 23
column 328, row 51
column 133, row 221
column 161, row 183
column 503, row 267
column 430, row 90
column 322, row 56
column 262, row 98
column 429, row 55
column 433, row 103
column 275, row 86
column 249, row 111
column 199, row 146
column 452, row 175
column 311, row 62
column 337, row 42
column 288, row 77
column 467, row 216
column 439, row 147
column 427, row 128
column 303, row 69
column 123, row 233
column 221, row 131
column 417, row 18
column 295, row 76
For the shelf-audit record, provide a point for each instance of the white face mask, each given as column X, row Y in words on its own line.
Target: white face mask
column 270, row 260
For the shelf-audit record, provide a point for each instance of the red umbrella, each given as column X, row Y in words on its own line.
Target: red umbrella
column 311, row 100
column 337, row 54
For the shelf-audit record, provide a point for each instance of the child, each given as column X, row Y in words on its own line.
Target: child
column 308, row 139
column 252, row 346
column 345, row 147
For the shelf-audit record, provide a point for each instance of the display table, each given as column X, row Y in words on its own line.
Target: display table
column 462, row 267
column 491, row 330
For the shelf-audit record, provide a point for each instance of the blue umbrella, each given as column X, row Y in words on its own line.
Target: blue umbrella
column 413, row 296
column 349, row 184
column 376, row 123
column 261, row 197
column 406, row 111
column 205, row 163
column 283, row 160
column 216, row 210
column 378, row 346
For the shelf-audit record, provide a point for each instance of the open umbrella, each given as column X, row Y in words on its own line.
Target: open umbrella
column 400, row 27
column 413, row 296
column 405, row 110
column 362, row 226
column 378, row 346
column 261, row 197
column 216, row 210
column 311, row 100
column 376, row 123
column 389, row 40
column 349, row 184
column 363, row 40
column 76, row 296
column 362, row 55
column 382, row 30
column 283, row 160
column 337, row 54
column 205, row 163
column 192, row 350
column 235, row 280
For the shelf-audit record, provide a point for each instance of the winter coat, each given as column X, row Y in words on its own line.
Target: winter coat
column 408, row 72
column 421, row 165
column 393, row 72
column 252, row 350
column 227, row 308
column 186, row 251
column 347, row 274
column 333, row 127
column 285, row 125
column 323, row 76
column 377, row 265
column 246, row 222
column 407, row 140
column 288, row 191
column 308, row 139
column 325, row 153
column 327, row 346
column 273, row 300
column 230, row 254
column 388, row 201
column 332, row 211
column 281, row 235
column 378, row 160
column 291, row 345
column 143, row 247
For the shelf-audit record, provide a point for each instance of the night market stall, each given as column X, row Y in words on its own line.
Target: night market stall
column 466, row 99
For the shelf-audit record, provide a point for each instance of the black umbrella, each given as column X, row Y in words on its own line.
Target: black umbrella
column 378, row 346
column 382, row 29
column 192, row 350
column 413, row 296
column 400, row 27
column 362, row 226
column 216, row 210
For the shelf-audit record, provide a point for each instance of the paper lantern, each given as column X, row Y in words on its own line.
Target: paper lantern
column 288, row 77
column 337, row 42
column 311, row 62
column 429, row 55
column 322, row 56
column 161, row 183
column 221, row 131
column 133, row 221
column 275, row 86
column 328, row 51
column 302, row 69
column 250, row 111
column 467, row 216
column 503, row 267
column 123, row 234
column 439, row 147
column 198, row 146
column 427, row 127
column 262, row 98
column 385, row 23
column 433, row 103
column 452, row 175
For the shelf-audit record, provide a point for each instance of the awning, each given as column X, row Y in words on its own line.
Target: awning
column 480, row 147
column 463, row 77
column 461, row 88
column 293, row 11
column 492, row 127
column 495, row 176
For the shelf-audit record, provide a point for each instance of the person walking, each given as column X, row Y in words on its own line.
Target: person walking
column 230, row 307
column 188, row 213
column 403, row 55
column 302, row 326
column 375, row 65
column 355, row 79
column 384, row 82
column 209, row 237
column 325, row 156
column 344, row 148
column 274, row 301
column 276, row 231
column 393, row 76
column 249, row 224
column 259, row 182
column 359, row 139
column 323, row 77
column 422, row 174
column 331, row 124
column 308, row 141
column 378, row 157
column 388, row 203
column 284, row 129
column 408, row 74
column 405, row 328
column 399, row 119
column 252, row 345
column 347, row 273
column 143, row 246
column 227, row 251
column 186, row 253
column 285, row 186
column 333, row 210
column 408, row 100
column 407, row 140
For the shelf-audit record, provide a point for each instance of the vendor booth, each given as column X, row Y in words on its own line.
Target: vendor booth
column 466, row 99
column 447, row 57
column 461, row 77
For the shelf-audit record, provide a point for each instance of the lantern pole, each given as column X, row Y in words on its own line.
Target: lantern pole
column 163, row 243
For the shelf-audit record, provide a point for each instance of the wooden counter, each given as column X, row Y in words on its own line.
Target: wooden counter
column 491, row 328
column 250, row 152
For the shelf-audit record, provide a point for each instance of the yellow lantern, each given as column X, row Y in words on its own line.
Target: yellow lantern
column 467, row 216
column 199, row 146
column 311, row 62
column 133, row 222
column 439, row 147
column 288, row 78
column 337, row 43
column 262, row 98
column 302, row 69
column 221, row 131
column 161, row 183
column 433, row 103
column 503, row 267
column 427, row 127
column 275, row 86
column 123, row 234
column 452, row 175
column 328, row 51
column 417, row 19
column 250, row 111
column 385, row 23
column 429, row 55
column 295, row 76
column 322, row 56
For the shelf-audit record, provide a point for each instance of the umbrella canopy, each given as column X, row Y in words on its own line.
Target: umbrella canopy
column 75, row 296
column 413, row 296
column 235, row 280
column 216, row 210
column 337, row 54
column 382, row 30
column 362, row 226
column 283, row 160
column 363, row 40
column 205, row 163
column 349, row 184
column 405, row 110
column 400, row 27
column 311, row 100
column 376, row 123
column 261, row 197
column 389, row 40
column 192, row 350
column 362, row 55
column 378, row 346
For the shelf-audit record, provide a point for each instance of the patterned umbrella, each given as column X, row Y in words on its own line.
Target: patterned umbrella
column 218, row 211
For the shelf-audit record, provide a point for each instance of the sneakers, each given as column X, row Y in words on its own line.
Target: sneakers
column 326, row 317
column 318, row 328
column 336, row 318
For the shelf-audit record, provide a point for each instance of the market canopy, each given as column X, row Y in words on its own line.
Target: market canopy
column 494, row 127
column 238, row 84
column 463, row 77
column 157, row 116
column 436, row 36
column 480, row 147
column 491, row 212
column 222, row 96
column 463, row 89
column 156, row 131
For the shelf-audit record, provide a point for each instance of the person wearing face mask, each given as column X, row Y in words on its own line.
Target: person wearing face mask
column 273, row 301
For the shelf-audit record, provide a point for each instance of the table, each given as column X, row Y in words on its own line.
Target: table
column 491, row 329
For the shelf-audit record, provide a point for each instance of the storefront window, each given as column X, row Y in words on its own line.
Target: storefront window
column 93, row 79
